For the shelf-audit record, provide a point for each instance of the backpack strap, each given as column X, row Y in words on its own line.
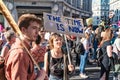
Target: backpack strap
column 104, row 53
column 49, row 57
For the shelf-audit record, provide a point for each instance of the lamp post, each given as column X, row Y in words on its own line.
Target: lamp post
column 55, row 7
column 10, row 6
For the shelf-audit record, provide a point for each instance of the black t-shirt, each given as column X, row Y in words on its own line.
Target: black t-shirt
column 57, row 66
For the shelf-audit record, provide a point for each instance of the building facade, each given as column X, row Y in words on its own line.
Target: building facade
column 115, row 7
column 100, row 10
column 70, row 8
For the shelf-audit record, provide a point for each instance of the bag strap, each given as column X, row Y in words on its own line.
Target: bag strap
column 49, row 57
column 102, row 55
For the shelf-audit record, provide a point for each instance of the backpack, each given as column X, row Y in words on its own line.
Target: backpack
column 79, row 49
column 100, row 55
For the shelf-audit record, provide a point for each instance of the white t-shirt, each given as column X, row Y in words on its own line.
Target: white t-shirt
column 86, row 44
column 116, row 45
column 47, row 35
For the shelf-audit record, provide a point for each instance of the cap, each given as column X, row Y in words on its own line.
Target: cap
column 89, row 21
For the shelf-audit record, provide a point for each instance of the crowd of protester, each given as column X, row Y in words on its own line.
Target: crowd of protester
column 48, row 49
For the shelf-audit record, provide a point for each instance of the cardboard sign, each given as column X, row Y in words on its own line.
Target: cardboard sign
column 63, row 25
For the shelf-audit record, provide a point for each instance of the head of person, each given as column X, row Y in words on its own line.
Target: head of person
column 108, row 34
column 42, row 32
column 55, row 41
column 29, row 25
column 37, row 41
column 10, row 36
column 89, row 22
column 87, row 33
column 7, row 28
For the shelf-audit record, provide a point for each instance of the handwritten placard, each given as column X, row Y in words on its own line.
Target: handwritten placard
column 64, row 25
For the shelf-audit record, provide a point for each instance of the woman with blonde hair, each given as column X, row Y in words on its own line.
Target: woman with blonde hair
column 56, row 64
column 107, row 52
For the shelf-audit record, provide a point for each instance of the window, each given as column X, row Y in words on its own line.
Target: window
column 78, row 3
column 69, row 1
column 74, row 3
column 1, row 19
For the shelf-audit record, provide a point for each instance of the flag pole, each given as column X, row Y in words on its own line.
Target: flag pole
column 68, row 50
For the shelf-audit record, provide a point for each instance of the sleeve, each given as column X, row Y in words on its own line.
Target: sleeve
column 18, row 66
column 18, row 69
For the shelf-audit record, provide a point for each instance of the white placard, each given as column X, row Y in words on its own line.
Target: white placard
column 64, row 25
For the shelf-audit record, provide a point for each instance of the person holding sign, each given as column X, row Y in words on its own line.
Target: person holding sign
column 55, row 60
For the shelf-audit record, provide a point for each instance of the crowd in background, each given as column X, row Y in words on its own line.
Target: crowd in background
column 45, row 43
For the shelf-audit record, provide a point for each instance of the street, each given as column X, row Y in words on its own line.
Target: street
column 91, row 70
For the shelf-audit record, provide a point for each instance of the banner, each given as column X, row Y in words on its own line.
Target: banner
column 63, row 25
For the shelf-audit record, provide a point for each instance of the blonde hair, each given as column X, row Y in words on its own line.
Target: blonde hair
column 108, row 34
column 53, row 36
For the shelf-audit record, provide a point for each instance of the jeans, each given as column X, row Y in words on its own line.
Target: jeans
column 95, row 45
column 94, row 55
column 83, row 60
column 52, row 77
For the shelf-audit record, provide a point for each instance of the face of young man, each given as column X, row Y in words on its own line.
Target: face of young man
column 32, row 31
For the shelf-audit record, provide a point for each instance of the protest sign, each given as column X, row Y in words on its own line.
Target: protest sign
column 64, row 25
